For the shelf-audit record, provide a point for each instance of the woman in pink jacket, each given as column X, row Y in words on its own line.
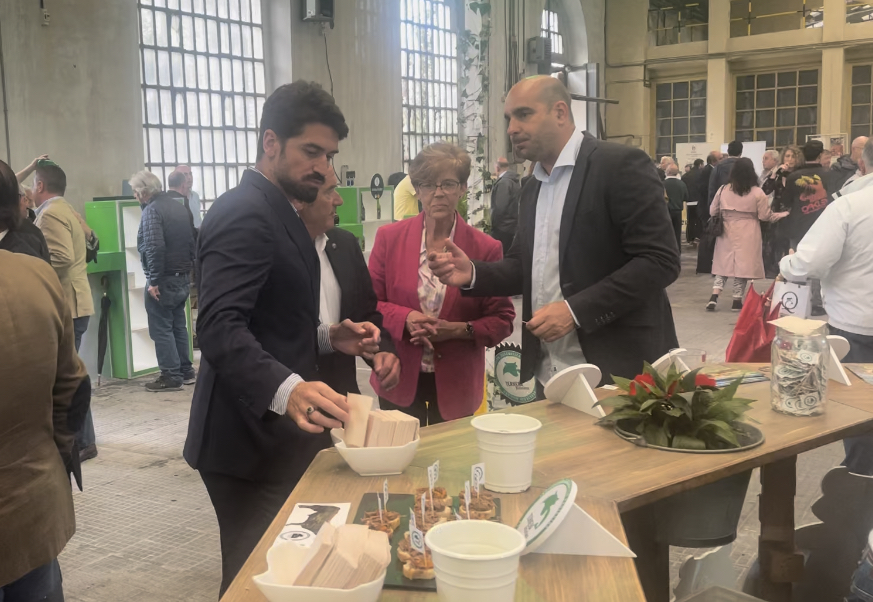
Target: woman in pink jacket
column 742, row 205
column 440, row 335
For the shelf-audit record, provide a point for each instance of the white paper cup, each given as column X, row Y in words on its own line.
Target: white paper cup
column 475, row 560
column 507, row 443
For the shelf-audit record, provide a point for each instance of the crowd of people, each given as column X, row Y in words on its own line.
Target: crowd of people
column 589, row 240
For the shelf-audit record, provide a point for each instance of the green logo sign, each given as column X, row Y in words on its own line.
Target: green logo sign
column 507, row 371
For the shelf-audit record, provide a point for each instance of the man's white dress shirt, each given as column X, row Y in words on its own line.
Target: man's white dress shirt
column 546, row 276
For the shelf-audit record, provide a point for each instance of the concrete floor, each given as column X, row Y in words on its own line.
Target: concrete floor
column 145, row 526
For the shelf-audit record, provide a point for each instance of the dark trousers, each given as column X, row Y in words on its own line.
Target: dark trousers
column 859, row 450
column 168, row 326
column 424, row 406
column 692, row 224
column 43, row 584
column 85, row 436
column 244, row 510
column 676, row 218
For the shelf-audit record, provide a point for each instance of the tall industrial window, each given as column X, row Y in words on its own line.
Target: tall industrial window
column 429, row 75
column 678, row 21
column 203, row 88
column 862, row 101
column 551, row 30
column 858, row 12
column 680, row 115
column 753, row 17
column 778, row 108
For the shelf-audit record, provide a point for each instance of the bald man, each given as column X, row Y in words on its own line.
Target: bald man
column 594, row 251
column 848, row 167
column 504, row 204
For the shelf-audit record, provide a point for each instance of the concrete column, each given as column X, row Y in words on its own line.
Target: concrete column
column 719, row 26
column 833, row 71
column 719, row 108
column 834, row 20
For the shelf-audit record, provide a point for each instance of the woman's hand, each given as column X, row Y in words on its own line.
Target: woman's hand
column 775, row 217
column 418, row 324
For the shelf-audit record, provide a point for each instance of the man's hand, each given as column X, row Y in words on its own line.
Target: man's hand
column 552, row 322
column 453, row 267
column 322, row 399
column 155, row 293
column 387, row 368
column 354, row 338
column 33, row 163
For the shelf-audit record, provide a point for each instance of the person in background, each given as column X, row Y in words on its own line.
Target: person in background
column 677, row 196
column 194, row 205
column 17, row 233
column 663, row 165
column 838, row 250
column 165, row 242
column 68, row 249
column 770, row 162
column 693, row 225
column 405, row 200
column 847, row 167
column 712, row 159
column 688, row 168
column 741, row 204
column 180, row 183
column 721, row 173
column 440, row 336
column 504, row 204
column 593, row 285
column 805, row 196
column 41, row 374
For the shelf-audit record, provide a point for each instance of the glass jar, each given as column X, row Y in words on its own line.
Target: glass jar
column 799, row 365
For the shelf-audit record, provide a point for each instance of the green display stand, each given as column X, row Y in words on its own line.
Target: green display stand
column 131, row 352
column 363, row 215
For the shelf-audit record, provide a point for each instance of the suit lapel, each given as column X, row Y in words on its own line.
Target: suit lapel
column 574, row 193
column 293, row 226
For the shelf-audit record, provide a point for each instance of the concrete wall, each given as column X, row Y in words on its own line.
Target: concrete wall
column 73, row 91
column 633, row 67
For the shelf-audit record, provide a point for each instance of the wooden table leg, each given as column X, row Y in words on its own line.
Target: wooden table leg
column 653, row 557
column 781, row 564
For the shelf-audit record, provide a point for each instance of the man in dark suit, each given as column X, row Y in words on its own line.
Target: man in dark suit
column 721, row 173
column 346, row 293
column 594, row 251
column 255, row 405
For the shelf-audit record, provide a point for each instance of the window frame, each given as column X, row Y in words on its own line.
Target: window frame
column 235, row 88
column 701, row 77
column 853, row 130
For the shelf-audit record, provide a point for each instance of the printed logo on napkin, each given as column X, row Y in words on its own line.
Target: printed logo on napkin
column 306, row 520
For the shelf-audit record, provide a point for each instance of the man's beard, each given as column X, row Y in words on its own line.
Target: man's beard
column 305, row 191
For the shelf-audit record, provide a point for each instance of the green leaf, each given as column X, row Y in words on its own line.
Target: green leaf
column 619, row 401
column 649, row 404
column 682, row 403
column 656, row 436
column 675, row 412
column 659, row 380
column 728, row 392
column 686, row 442
column 722, row 430
column 622, row 415
column 621, row 383
column 688, row 380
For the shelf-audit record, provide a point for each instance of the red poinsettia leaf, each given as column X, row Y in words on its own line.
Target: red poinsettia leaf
column 702, row 380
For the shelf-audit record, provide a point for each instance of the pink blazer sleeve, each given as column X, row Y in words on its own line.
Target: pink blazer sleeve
column 394, row 315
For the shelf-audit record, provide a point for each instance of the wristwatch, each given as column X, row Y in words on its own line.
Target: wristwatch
column 469, row 329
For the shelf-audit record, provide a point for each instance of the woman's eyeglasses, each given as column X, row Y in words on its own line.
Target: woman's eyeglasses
column 448, row 186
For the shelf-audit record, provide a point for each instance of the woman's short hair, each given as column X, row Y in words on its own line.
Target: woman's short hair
column 10, row 203
column 146, row 183
column 799, row 161
column 743, row 176
column 437, row 158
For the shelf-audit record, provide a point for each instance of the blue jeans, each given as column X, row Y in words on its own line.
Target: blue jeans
column 862, row 580
column 43, row 584
column 859, row 450
column 86, row 436
column 168, row 326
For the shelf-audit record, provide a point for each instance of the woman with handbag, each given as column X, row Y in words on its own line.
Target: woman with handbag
column 736, row 210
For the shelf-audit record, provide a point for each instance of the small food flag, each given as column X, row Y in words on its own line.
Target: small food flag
column 478, row 476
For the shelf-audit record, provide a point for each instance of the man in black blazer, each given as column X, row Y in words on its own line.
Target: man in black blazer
column 346, row 293
column 256, row 404
column 594, row 251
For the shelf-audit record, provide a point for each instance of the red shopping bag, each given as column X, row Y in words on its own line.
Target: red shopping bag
column 753, row 333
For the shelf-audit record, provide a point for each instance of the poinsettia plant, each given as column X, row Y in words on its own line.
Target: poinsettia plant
column 679, row 410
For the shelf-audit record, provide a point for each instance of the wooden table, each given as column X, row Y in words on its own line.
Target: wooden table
column 616, row 480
